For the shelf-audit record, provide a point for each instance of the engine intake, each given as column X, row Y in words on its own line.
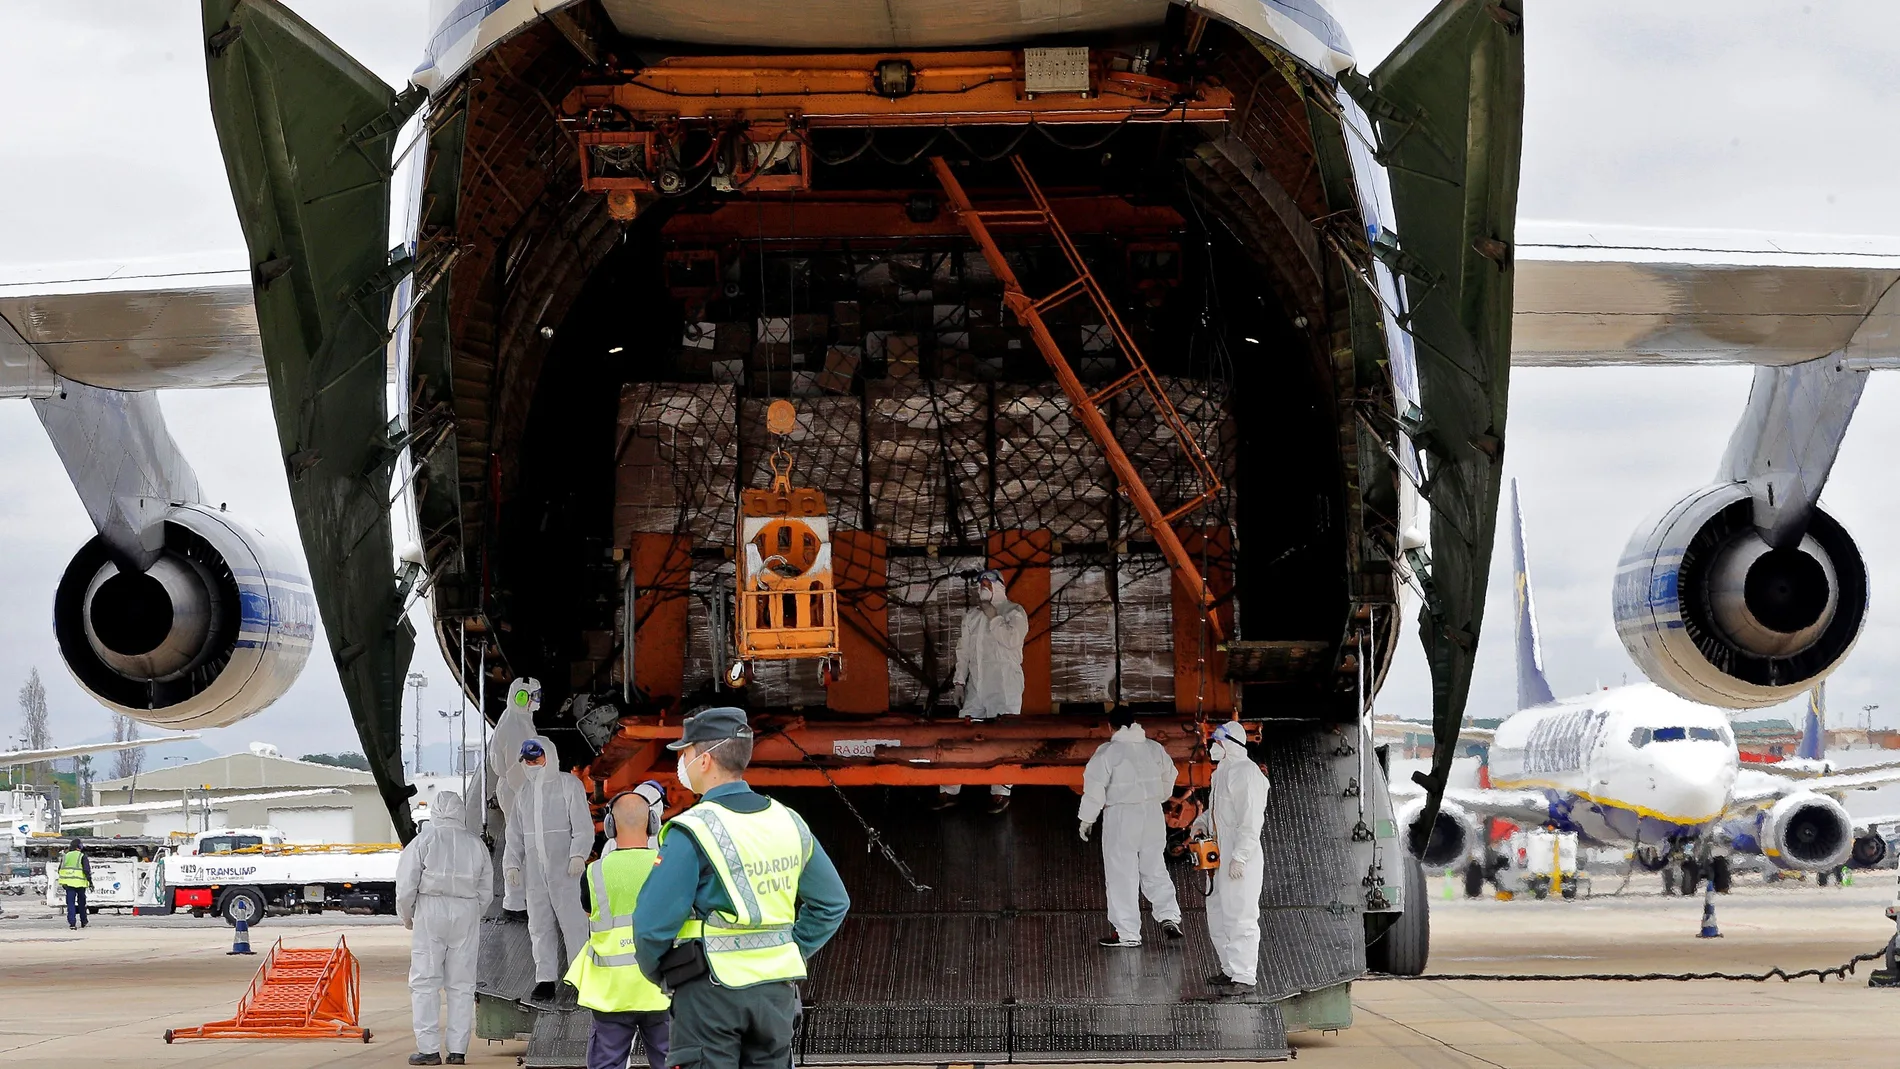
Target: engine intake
column 215, row 630
column 1713, row 613
column 1455, row 832
column 1807, row 832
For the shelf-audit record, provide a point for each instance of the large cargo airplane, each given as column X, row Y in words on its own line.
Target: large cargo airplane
column 1637, row 767
column 1090, row 294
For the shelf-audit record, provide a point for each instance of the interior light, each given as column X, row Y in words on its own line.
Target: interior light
column 1251, row 341
column 616, row 349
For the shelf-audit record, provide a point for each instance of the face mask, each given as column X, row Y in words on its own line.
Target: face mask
column 986, row 593
column 1215, row 753
column 534, row 771
column 685, row 778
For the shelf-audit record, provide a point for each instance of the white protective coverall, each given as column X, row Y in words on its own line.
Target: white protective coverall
column 444, row 883
column 515, row 727
column 990, row 657
column 549, row 837
column 1237, row 812
column 1125, row 783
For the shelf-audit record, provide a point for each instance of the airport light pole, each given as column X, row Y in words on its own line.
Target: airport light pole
column 457, row 766
column 418, row 681
column 1869, row 710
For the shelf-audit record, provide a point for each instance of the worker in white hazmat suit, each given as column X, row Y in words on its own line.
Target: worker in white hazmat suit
column 549, row 837
column 1236, row 814
column 444, row 883
column 1124, row 785
column 989, row 672
column 515, row 727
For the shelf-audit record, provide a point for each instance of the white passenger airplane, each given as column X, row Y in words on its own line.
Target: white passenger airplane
column 1638, row 767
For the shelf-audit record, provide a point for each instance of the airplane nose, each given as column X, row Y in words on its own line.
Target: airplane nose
column 1691, row 788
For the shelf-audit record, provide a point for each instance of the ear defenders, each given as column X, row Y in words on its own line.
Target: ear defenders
column 655, row 796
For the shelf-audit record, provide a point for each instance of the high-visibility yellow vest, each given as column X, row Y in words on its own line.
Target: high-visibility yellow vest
column 606, row 973
column 759, row 858
column 72, row 870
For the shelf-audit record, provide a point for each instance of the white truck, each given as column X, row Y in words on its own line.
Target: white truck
column 253, row 872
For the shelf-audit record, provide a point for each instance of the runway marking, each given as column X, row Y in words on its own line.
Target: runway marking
column 1454, row 1048
column 1550, row 1040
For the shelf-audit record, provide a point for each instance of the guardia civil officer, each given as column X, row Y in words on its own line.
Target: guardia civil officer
column 740, row 898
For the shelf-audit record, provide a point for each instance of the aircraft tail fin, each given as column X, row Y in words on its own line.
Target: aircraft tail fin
column 1532, row 687
column 1814, row 730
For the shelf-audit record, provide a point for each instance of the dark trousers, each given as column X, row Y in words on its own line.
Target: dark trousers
column 76, row 906
column 721, row 1028
column 611, row 1041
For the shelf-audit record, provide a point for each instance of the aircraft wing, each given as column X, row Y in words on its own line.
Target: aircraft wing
column 130, row 326
column 1592, row 295
column 1520, row 806
column 10, row 758
column 1421, row 727
column 1756, row 787
column 81, row 814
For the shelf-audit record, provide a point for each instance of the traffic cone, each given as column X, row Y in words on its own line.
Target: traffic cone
column 240, row 938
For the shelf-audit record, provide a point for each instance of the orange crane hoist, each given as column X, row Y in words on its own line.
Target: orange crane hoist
column 785, row 604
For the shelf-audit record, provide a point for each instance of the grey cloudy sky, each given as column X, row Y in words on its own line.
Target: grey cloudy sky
column 1746, row 114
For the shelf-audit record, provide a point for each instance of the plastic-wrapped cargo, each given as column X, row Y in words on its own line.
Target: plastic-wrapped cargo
column 1157, row 454
column 1049, row 474
column 1144, row 626
column 1081, row 628
column 929, row 467
column 825, row 449
column 676, row 456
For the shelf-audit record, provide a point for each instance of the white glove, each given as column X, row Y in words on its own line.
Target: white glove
column 1234, row 869
column 576, row 866
column 1085, row 829
column 410, row 924
column 513, row 876
column 1199, row 826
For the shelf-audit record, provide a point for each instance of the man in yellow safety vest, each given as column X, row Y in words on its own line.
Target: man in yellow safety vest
column 607, row 974
column 741, row 897
column 75, row 875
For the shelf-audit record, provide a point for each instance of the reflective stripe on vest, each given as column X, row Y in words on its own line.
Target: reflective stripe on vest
column 72, row 869
column 759, row 858
column 608, row 976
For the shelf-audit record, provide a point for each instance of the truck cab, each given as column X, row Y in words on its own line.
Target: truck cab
column 230, row 840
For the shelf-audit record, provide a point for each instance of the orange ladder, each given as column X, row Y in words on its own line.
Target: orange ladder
column 302, row 993
column 1085, row 405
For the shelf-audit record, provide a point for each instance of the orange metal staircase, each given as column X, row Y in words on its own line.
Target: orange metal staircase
column 301, row 993
column 1086, row 405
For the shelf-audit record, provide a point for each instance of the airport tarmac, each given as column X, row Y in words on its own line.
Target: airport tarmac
column 106, row 995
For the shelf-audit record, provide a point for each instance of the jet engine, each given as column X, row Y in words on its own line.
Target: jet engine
column 215, row 630
column 1715, row 614
column 1456, row 833
column 1809, row 832
column 1869, row 850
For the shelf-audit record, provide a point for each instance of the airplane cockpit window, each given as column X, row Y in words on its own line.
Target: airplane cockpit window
column 1671, row 734
column 1640, row 738
column 1707, row 734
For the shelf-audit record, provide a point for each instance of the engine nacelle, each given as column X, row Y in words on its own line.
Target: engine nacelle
column 1456, row 833
column 1807, row 832
column 217, row 629
column 1711, row 612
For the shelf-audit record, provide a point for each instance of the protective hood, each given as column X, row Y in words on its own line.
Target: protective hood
column 1131, row 733
column 547, row 747
column 446, row 810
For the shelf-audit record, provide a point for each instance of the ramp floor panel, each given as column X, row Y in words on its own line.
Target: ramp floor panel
column 997, row 960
